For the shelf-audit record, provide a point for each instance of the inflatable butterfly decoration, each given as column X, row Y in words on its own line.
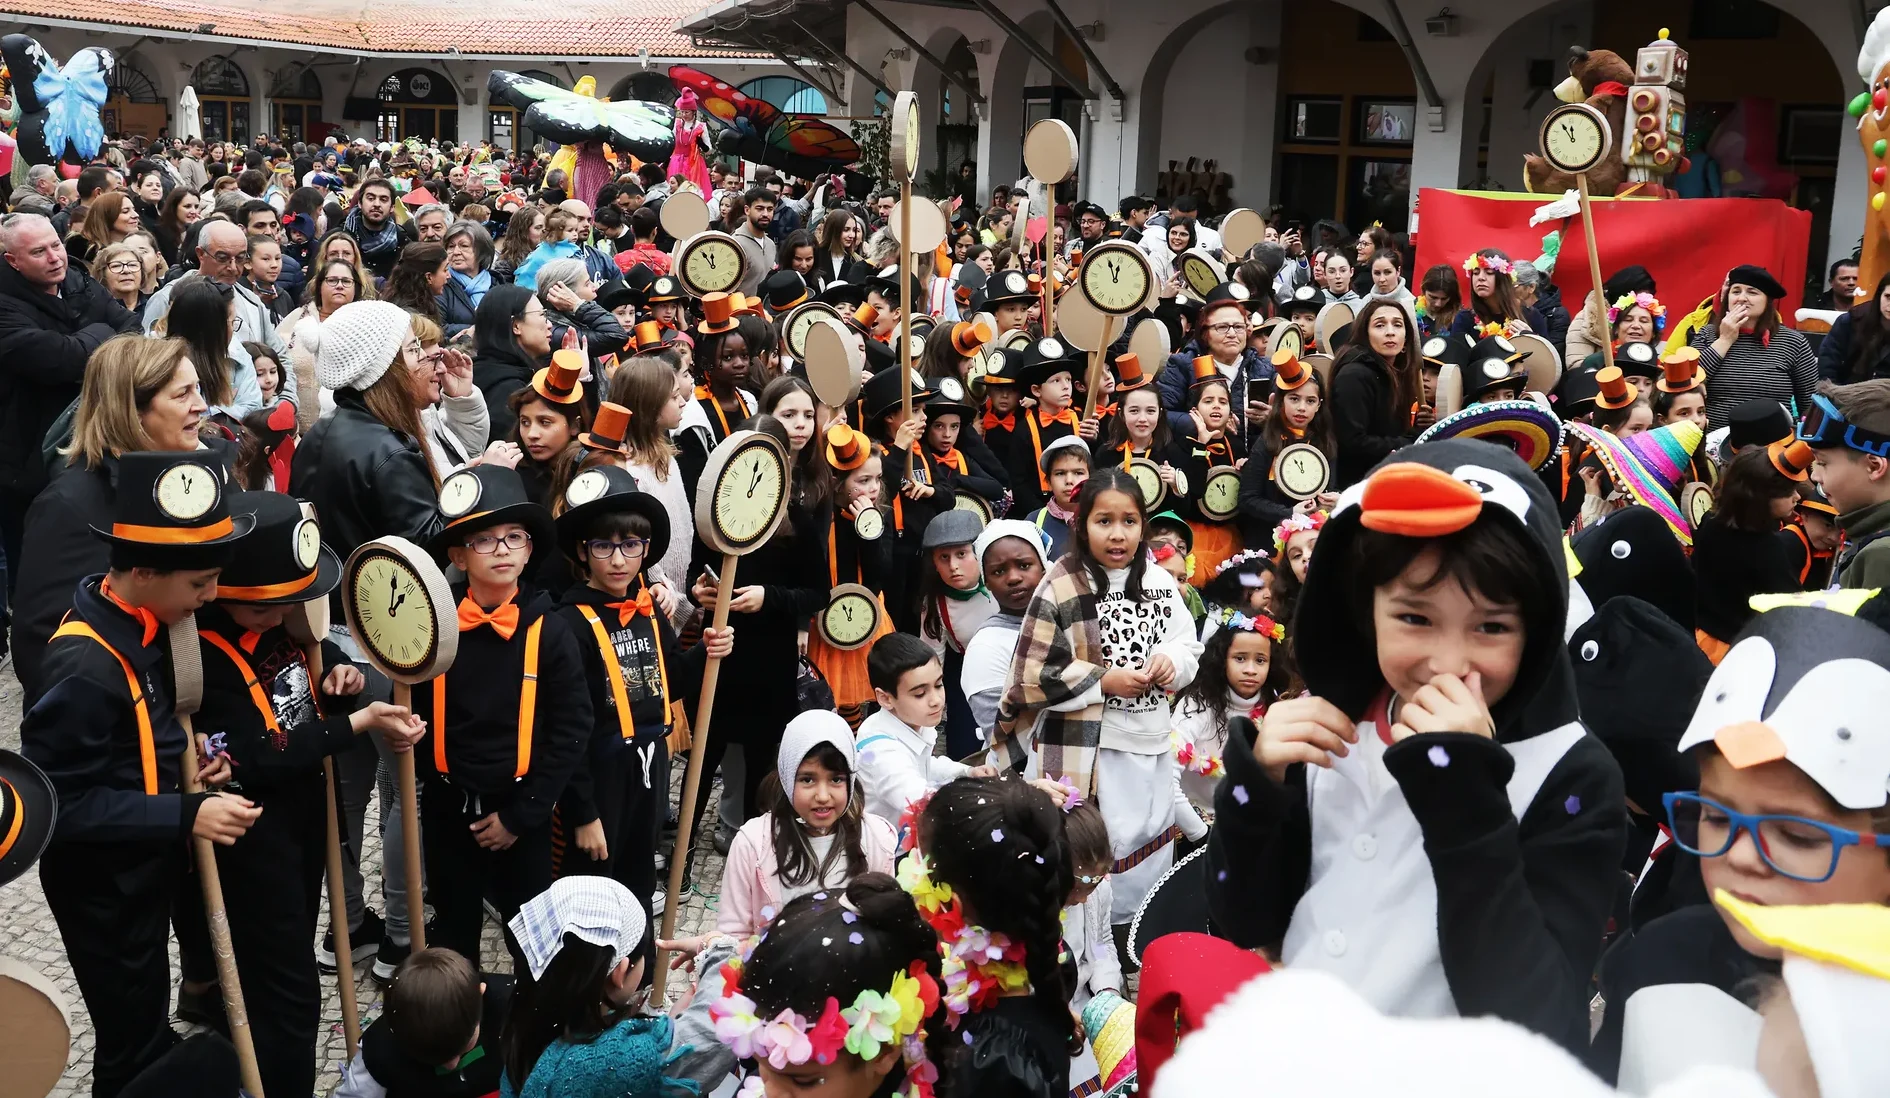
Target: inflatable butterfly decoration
column 643, row 129
column 756, row 130
column 59, row 105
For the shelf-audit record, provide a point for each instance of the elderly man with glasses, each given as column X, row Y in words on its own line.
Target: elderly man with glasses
column 223, row 257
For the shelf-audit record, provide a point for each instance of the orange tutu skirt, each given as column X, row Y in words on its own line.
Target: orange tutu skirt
column 846, row 671
column 1214, row 542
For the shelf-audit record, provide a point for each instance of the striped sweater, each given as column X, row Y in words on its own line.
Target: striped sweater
column 1781, row 368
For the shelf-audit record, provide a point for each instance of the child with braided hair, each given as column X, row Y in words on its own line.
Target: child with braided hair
column 991, row 874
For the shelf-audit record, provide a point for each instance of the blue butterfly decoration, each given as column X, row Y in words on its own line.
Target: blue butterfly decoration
column 71, row 97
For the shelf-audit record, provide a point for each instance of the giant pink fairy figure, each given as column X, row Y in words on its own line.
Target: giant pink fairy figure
column 686, row 158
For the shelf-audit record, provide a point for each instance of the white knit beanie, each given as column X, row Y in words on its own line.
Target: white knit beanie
column 356, row 344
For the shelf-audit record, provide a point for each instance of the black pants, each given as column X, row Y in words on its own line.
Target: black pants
column 631, row 807
column 112, row 902
column 272, row 880
column 461, row 873
column 961, row 728
column 13, row 507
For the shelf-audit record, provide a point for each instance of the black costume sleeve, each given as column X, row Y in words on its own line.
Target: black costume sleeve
column 1262, row 506
column 1521, row 907
column 560, row 734
column 801, row 600
column 683, row 666
column 977, row 480
column 979, row 453
column 1260, row 851
column 68, row 734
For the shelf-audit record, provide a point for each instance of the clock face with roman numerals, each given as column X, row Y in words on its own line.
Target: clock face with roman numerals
column 711, row 263
column 851, row 617
column 1575, row 138
column 1115, row 278
column 742, row 493
column 390, row 603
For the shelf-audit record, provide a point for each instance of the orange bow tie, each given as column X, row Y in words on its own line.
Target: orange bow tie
column 951, row 458
column 630, row 608
column 1066, row 416
column 1009, row 423
column 1107, row 410
column 144, row 617
column 504, row 620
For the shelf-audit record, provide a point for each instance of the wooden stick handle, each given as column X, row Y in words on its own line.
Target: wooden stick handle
column 692, row 778
column 338, row 920
column 905, row 310
column 1594, row 272
column 410, row 837
column 1096, row 367
column 219, row 920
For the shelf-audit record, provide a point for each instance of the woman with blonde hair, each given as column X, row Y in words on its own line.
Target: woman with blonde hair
column 120, row 269
column 108, row 220
column 656, row 396
column 345, row 248
column 139, row 394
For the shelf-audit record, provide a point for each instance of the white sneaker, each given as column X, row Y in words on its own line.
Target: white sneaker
column 659, row 901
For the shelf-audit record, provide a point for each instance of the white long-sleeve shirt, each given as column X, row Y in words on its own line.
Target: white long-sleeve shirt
column 897, row 766
column 1209, row 736
column 1087, row 932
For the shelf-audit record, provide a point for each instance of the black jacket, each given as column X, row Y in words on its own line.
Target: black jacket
column 1522, row 897
column 365, row 479
column 635, row 646
column 596, row 325
column 1729, row 567
column 498, row 376
column 1362, row 417
column 45, row 341
column 1555, row 316
column 1262, row 505
column 263, row 762
column 1177, row 378
column 482, row 709
column 456, row 307
column 58, row 551
column 84, row 732
column 1839, row 356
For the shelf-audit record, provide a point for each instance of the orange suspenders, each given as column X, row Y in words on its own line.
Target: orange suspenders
column 614, row 670
column 527, row 708
column 147, row 745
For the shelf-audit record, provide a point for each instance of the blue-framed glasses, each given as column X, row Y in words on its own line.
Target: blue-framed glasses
column 1795, row 847
column 1824, row 425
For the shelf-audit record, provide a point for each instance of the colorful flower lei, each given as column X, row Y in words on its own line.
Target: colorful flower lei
column 979, row 965
column 1487, row 262
column 1208, row 766
column 874, row 1022
column 1492, row 328
column 1239, row 621
column 1296, row 524
column 1646, row 301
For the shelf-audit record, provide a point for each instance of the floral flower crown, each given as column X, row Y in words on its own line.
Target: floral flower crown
column 1244, row 557
column 1646, row 301
column 1487, row 262
column 980, row 965
column 1296, row 524
column 1238, row 621
column 874, row 1022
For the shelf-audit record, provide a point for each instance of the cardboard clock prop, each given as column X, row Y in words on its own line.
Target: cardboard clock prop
column 400, row 609
column 1199, row 273
column 38, row 1026
column 1220, row 493
column 684, row 214
column 903, row 135
column 834, row 359
column 1050, row 151
column 976, row 504
column 870, row 524
column 799, row 321
column 1696, row 502
column 1301, row 471
column 1114, row 280
column 1241, row 229
column 1149, row 341
column 1148, row 479
column 851, row 617
column 711, row 263
column 1575, row 138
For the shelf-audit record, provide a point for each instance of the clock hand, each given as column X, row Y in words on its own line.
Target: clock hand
column 755, row 480
column 398, row 602
column 393, row 588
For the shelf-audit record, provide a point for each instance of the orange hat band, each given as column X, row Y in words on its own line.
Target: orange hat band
column 173, row 535
column 267, row 590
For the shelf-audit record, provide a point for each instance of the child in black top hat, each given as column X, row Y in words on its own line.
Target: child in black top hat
column 1047, row 371
column 634, row 669
column 259, row 690
column 507, row 724
column 950, row 442
column 106, row 735
column 1000, row 419
column 1298, row 414
column 924, row 486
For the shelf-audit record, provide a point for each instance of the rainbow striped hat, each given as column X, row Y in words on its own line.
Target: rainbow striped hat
column 1524, row 426
column 1650, row 466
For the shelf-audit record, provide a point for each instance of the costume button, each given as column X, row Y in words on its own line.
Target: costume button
column 1335, row 943
column 1365, row 848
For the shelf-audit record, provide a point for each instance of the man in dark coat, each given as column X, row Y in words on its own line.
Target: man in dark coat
column 52, row 317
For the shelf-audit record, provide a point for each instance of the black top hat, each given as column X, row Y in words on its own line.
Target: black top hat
column 174, row 504
column 1006, row 286
column 28, row 808
column 285, row 562
column 946, row 396
column 619, row 292
column 1494, row 363
column 1447, row 350
column 879, row 356
column 483, row 496
column 1045, row 357
column 886, row 285
column 1304, row 299
column 781, row 291
column 640, row 278
column 1575, row 392
column 608, row 489
column 1004, row 366
column 881, row 393
column 1225, row 294
column 848, row 294
column 1760, row 421
column 665, row 288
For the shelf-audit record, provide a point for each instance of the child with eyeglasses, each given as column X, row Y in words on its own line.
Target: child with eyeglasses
column 634, row 668
column 1793, row 804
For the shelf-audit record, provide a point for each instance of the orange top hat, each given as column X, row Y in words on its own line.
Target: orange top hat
column 1129, row 373
column 1289, row 373
column 1205, row 370
column 970, row 336
column 865, row 317
column 1616, row 390
column 718, row 314
column 743, row 304
column 649, row 335
column 1681, row 371
column 608, row 430
column 1791, row 457
column 558, row 382
column 847, row 449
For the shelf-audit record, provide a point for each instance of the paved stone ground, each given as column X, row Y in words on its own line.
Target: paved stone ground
column 27, row 932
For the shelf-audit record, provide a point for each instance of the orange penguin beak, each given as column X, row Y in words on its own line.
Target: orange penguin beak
column 1418, row 501
column 1748, row 744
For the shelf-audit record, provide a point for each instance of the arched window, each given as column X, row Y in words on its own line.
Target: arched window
column 650, row 87
column 295, row 104
column 223, row 98
column 418, row 103
column 132, row 103
column 787, row 93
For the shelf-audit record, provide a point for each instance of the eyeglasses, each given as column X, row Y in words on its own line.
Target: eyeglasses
column 1227, row 329
column 224, row 257
column 337, row 282
column 1795, row 847
column 125, row 266
column 1825, row 425
column 604, row 549
column 486, row 544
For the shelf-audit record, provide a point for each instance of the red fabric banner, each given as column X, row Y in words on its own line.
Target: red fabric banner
column 1688, row 244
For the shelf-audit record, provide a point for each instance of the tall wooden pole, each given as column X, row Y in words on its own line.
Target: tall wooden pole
column 410, row 828
column 1094, row 380
column 337, row 896
column 692, row 778
column 906, row 305
column 1594, row 270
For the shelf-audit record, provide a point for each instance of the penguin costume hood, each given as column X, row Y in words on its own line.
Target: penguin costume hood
column 1631, row 552
column 1435, row 490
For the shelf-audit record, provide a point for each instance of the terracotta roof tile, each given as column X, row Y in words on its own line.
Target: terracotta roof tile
column 574, row 28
